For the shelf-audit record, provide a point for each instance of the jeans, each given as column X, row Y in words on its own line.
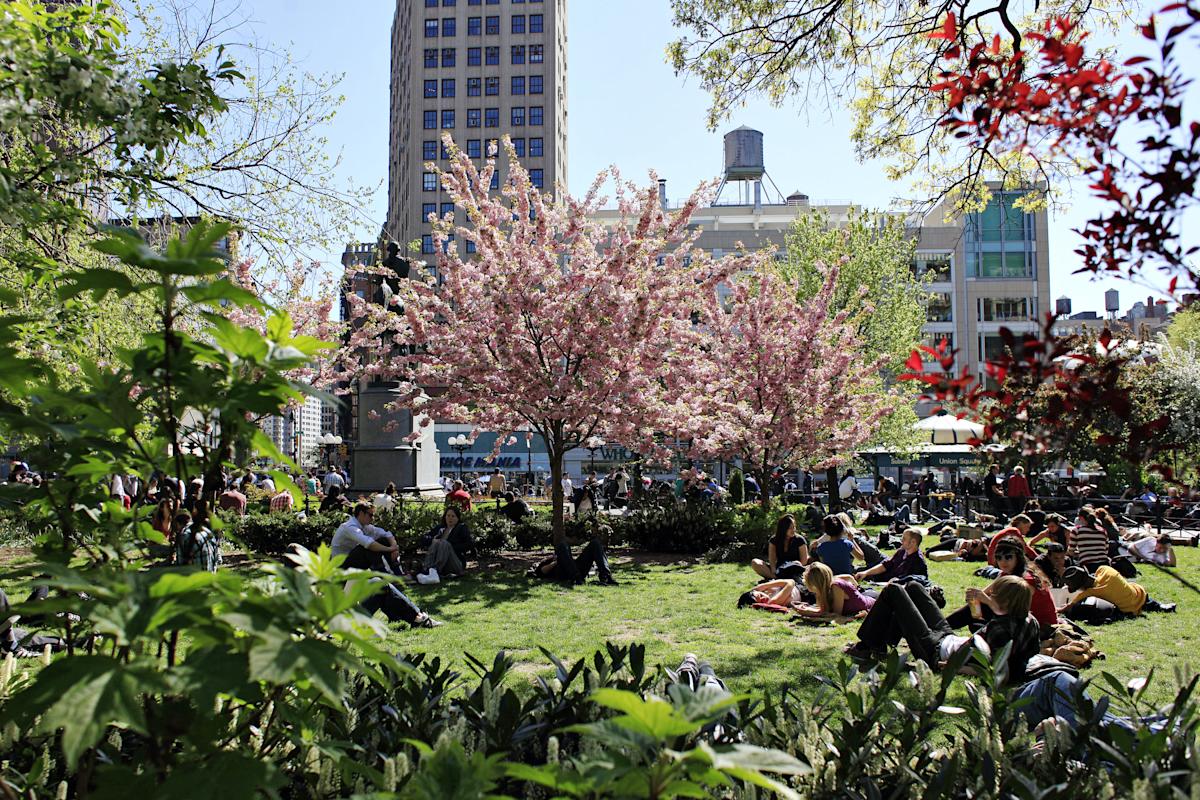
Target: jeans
column 394, row 604
column 592, row 554
column 443, row 557
column 906, row 611
column 1055, row 695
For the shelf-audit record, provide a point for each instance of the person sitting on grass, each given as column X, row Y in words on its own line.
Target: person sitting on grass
column 515, row 508
column 366, row 546
column 834, row 549
column 905, row 561
column 450, row 544
column 787, row 552
column 1018, row 529
column 907, row 612
column 1056, row 530
column 1088, row 544
column 197, row 545
column 1151, row 550
column 1010, row 560
column 459, row 497
column 836, row 596
column 1105, row 596
column 1054, row 563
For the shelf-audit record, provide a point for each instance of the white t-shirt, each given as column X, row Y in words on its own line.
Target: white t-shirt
column 267, row 485
column 1143, row 549
column 568, row 487
column 847, row 486
column 384, row 501
column 350, row 534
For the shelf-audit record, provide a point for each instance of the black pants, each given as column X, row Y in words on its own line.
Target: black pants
column 570, row 569
column 906, row 612
column 394, row 604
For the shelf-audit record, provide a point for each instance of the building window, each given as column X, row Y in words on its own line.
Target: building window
column 932, row 340
column 429, row 150
column 474, row 26
column 474, row 149
column 430, row 120
column 448, row 118
column 470, row 247
column 1004, row 309
column 429, row 181
column 1005, row 264
column 518, row 84
column 535, row 23
column 431, row 88
column 518, row 115
column 473, row 56
column 427, row 243
column 447, row 208
column 937, row 265
column 427, row 209
column 535, row 177
column 535, row 147
column 939, row 308
column 493, row 2
column 448, row 26
column 447, row 87
column 492, row 56
column 493, row 26
column 491, row 118
column 447, row 56
column 535, row 115
column 519, row 147
column 473, row 117
column 473, row 86
column 431, row 3
column 518, row 54
column 445, row 152
column 518, row 23
column 517, row 2
column 493, row 148
column 449, row 3
column 431, row 28
column 535, row 84
column 473, row 2
column 491, row 86
column 430, row 57
column 495, row 181
column 535, row 54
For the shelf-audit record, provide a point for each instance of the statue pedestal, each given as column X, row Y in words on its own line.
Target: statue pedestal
column 384, row 456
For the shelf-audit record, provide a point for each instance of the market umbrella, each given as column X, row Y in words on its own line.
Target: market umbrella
column 948, row 429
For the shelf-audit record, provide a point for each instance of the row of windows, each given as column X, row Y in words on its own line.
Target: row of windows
column 427, row 244
column 432, row 150
column 489, row 86
column 477, row 56
column 489, row 117
column 477, row 26
column 429, row 183
column 452, row 3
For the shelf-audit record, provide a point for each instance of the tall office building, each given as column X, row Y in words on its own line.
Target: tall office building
column 477, row 70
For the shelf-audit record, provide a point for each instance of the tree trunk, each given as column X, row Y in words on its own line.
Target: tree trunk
column 835, row 498
column 763, row 476
column 557, row 523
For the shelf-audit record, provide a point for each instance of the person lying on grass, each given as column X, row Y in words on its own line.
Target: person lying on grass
column 1106, row 593
column 1151, row 550
column 833, row 597
column 906, row 612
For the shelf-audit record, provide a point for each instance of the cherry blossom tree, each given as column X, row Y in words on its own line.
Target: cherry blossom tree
column 559, row 325
column 786, row 382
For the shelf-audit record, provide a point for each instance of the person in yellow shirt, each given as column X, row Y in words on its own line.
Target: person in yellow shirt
column 1109, row 588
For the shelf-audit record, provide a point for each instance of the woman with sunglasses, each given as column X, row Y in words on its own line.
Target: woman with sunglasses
column 1010, row 560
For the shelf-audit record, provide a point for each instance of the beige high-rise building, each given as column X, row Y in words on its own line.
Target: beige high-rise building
column 477, row 70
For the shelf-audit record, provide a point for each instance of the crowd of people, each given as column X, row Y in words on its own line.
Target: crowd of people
column 1044, row 576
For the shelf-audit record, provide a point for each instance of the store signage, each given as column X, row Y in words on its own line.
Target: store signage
column 481, row 462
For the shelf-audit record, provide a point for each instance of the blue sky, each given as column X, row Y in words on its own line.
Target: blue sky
column 626, row 107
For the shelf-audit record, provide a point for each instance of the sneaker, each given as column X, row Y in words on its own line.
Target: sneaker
column 861, row 652
column 426, row 621
column 609, row 581
column 429, row 578
column 938, row 596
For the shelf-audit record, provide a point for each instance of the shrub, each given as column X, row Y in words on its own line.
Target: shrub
column 737, row 488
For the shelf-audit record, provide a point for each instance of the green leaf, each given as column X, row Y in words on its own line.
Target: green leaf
column 82, row 696
column 99, row 282
column 655, row 718
column 222, row 289
column 227, row 775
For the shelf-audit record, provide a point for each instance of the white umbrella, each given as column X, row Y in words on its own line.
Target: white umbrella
column 949, row 429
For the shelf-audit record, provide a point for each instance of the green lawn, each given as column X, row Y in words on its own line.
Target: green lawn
column 690, row 607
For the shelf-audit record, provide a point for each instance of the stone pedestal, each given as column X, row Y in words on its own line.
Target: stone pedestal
column 384, row 456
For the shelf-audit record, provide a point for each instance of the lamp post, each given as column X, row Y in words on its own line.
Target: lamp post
column 459, row 443
column 593, row 444
column 529, row 463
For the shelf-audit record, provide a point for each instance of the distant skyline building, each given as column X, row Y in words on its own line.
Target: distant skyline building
column 476, row 70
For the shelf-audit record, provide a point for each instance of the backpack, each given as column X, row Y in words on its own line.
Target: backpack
column 1072, row 645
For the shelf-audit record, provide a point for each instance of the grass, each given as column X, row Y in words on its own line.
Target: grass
column 685, row 606
column 682, row 606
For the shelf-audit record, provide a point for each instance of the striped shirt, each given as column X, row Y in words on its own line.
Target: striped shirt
column 1089, row 546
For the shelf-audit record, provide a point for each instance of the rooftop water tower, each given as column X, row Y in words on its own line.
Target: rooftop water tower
column 1112, row 303
column 1062, row 306
column 745, row 169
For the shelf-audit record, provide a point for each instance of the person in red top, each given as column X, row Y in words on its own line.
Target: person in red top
column 1018, row 487
column 459, row 497
column 1018, row 529
column 1010, row 559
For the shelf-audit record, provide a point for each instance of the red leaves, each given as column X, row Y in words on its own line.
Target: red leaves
column 1057, row 101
